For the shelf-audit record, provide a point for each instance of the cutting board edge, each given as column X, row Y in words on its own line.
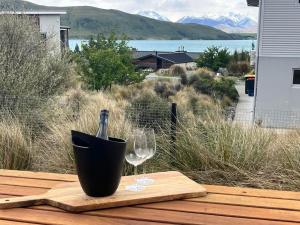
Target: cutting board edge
column 87, row 208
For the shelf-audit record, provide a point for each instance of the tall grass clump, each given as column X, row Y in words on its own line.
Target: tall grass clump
column 177, row 71
column 15, row 145
column 214, row 151
column 54, row 148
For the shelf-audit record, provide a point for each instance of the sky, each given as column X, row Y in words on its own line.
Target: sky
column 173, row 9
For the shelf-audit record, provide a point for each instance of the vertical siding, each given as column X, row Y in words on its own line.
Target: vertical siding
column 280, row 35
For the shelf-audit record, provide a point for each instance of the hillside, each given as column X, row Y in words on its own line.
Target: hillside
column 87, row 21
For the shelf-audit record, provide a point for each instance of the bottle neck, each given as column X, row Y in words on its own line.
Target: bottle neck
column 103, row 126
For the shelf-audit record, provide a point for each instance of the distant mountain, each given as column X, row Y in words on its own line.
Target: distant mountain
column 233, row 23
column 153, row 15
column 88, row 21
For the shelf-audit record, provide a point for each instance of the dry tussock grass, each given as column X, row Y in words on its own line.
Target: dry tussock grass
column 208, row 149
column 15, row 145
column 54, row 148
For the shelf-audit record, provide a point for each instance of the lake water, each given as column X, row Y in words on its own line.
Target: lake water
column 189, row 45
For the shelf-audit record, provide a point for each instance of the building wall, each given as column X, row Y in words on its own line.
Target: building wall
column 275, row 84
column 280, row 33
column 50, row 25
column 166, row 64
column 147, row 63
column 277, row 99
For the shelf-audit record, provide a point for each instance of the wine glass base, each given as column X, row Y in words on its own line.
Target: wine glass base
column 145, row 181
column 134, row 188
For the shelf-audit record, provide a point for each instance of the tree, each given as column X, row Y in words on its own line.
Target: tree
column 104, row 62
column 235, row 56
column 214, row 58
column 28, row 67
column 77, row 49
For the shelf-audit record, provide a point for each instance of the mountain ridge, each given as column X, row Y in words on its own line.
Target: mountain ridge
column 153, row 15
column 87, row 21
column 231, row 23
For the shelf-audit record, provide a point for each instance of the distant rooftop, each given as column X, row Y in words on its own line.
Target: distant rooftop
column 33, row 12
column 174, row 57
column 140, row 54
column 253, row 2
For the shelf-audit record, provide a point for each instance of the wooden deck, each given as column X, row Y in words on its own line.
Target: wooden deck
column 222, row 206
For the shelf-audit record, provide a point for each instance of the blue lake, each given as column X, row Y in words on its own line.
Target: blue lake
column 189, row 45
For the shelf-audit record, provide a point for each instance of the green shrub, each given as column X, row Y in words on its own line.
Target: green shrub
column 149, row 110
column 204, row 82
column 214, row 58
column 239, row 68
column 225, row 87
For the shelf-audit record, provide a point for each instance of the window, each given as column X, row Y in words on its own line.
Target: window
column 296, row 78
column 44, row 36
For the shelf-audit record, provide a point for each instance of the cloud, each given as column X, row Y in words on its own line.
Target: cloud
column 173, row 9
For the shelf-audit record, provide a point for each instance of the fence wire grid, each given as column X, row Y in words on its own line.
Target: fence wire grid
column 155, row 115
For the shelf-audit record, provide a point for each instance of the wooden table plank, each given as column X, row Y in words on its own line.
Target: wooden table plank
column 8, row 222
column 223, row 206
column 28, row 182
column 124, row 216
column 249, row 201
column 179, row 217
column 253, row 192
column 63, row 218
column 38, row 175
column 227, row 210
column 21, row 190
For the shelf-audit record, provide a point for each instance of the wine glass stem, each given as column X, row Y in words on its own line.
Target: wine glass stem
column 144, row 169
column 135, row 170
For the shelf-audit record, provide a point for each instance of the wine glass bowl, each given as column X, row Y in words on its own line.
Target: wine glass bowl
column 141, row 146
column 136, row 142
column 150, row 152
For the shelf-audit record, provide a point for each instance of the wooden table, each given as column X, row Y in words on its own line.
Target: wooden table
column 222, row 206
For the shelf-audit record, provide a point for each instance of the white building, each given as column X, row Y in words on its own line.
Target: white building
column 277, row 91
column 57, row 36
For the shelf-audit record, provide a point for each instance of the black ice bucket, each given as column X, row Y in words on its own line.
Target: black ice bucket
column 99, row 163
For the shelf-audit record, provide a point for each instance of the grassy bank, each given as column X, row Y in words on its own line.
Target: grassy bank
column 208, row 149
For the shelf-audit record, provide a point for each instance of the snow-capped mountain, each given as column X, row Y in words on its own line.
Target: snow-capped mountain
column 230, row 23
column 153, row 15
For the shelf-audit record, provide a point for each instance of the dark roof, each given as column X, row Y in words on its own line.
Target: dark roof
column 253, row 2
column 175, row 57
column 140, row 54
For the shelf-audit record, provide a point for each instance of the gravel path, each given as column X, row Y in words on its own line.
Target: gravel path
column 245, row 106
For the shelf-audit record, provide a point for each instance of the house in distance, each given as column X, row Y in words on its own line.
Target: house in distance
column 158, row 61
column 57, row 36
column 277, row 88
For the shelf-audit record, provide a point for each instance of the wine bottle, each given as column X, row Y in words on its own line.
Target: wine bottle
column 103, row 126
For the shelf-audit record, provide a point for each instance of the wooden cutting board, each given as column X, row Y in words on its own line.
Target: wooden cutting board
column 70, row 197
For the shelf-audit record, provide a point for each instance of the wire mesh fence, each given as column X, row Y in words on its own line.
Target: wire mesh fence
column 155, row 115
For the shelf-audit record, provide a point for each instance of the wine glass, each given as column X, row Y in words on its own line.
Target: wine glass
column 136, row 142
column 141, row 143
column 149, row 153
